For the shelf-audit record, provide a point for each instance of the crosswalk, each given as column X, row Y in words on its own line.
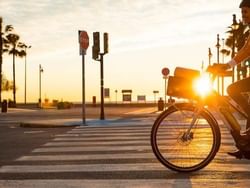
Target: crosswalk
column 115, row 156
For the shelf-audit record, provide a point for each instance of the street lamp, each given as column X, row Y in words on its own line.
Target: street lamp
column 222, row 78
column 25, row 75
column 218, row 59
column 234, row 27
column 40, row 86
column 209, row 56
column 116, row 96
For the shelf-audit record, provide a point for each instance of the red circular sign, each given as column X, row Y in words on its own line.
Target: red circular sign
column 84, row 40
column 165, row 71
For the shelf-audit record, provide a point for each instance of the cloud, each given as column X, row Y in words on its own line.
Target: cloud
column 131, row 24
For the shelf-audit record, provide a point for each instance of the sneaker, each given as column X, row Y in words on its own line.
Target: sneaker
column 237, row 154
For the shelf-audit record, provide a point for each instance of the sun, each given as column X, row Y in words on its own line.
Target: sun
column 203, row 85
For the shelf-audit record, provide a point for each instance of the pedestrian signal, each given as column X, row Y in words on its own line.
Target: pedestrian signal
column 96, row 46
column 105, row 43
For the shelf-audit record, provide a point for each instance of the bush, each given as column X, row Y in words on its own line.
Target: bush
column 64, row 105
column 11, row 104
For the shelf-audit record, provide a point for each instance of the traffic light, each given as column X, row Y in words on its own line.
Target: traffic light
column 95, row 53
column 105, row 43
column 96, row 39
column 96, row 46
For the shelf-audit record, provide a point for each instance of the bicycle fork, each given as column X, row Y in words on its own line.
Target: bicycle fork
column 188, row 134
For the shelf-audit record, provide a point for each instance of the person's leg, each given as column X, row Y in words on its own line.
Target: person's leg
column 235, row 91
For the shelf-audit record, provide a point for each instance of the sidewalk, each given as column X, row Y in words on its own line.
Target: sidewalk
column 56, row 123
column 49, row 118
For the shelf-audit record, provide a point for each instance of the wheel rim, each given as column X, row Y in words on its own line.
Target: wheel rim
column 182, row 151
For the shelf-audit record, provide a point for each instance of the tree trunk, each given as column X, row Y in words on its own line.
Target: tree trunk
column 14, row 80
column 1, row 59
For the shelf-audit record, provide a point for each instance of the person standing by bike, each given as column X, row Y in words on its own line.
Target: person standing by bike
column 236, row 89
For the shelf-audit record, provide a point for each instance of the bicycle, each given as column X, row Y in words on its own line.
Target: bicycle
column 186, row 136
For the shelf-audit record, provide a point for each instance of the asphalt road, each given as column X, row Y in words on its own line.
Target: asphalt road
column 117, row 154
column 16, row 140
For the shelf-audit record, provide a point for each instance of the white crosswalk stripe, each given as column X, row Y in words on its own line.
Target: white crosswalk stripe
column 115, row 157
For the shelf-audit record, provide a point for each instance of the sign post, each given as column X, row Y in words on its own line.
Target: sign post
column 165, row 72
column 84, row 44
column 155, row 92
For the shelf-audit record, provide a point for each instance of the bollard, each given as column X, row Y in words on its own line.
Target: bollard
column 4, row 106
column 160, row 104
column 94, row 101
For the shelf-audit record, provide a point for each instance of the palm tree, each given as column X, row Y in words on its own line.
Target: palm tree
column 2, row 50
column 14, row 48
column 6, row 84
column 238, row 36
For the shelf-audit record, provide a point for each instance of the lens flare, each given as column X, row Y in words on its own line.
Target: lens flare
column 203, row 85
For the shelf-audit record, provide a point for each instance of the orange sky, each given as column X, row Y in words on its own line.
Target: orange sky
column 144, row 37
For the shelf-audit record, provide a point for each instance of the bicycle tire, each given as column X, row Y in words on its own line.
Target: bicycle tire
column 176, row 154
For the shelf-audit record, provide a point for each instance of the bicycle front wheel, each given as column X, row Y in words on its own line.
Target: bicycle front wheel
column 182, row 150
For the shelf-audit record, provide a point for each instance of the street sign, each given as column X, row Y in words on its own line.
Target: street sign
column 83, row 40
column 126, row 98
column 165, row 71
column 84, row 44
column 141, row 98
column 106, row 93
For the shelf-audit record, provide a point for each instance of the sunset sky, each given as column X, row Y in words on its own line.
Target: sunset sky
column 144, row 36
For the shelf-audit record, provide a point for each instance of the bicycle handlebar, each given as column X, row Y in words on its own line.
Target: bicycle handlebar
column 219, row 70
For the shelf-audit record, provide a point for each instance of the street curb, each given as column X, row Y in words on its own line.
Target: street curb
column 42, row 125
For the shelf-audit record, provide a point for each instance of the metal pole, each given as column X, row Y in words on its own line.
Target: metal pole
column 83, row 91
column 116, row 96
column 209, row 56
column 1, row 59
column 223, row 44
column 222, row 78
column 218, row 60
column 234, row 25
column 165, row 103
column 102, row 89
column 232, row 56
column 40, row 87
column 25, row 77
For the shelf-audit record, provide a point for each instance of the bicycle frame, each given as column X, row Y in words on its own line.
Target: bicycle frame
column 196, row 128
column 221, row 106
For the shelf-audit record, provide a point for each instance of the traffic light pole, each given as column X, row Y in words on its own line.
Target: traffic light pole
column 95, row 55
column 102, row 117
column 83, row 91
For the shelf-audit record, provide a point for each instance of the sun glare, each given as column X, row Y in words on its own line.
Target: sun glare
column 203, row 85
